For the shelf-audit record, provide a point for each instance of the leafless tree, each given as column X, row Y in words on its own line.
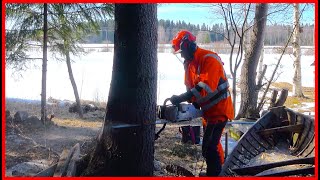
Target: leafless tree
column 238, row 35
column 262, row 100
column 249, row 89
column 236, row 26
column 297, row 87
column 44, row 64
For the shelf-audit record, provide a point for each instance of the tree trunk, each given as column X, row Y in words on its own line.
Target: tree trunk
column 249, row 90
column 74, row 85
column 297, row 87
column 246, row 36
column 246, row 40
column 273, row 98
column 44, row 64
column 234, row 90
column 261, row 61
column 282, row 98
column 125, row 146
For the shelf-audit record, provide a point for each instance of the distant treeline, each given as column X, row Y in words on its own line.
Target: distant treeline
column 276, row 35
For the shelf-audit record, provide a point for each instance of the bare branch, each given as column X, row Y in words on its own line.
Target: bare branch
column 259, row 84
column 278, row 63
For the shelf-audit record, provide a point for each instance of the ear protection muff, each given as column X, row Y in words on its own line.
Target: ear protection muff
column 187, row 46
column 184, row 45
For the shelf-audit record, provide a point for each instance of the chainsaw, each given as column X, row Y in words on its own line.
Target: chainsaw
column 176, row 113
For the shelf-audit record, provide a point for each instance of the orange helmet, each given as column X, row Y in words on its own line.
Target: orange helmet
column 181, row 37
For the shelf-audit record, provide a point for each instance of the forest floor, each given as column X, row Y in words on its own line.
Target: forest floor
column 32, row 147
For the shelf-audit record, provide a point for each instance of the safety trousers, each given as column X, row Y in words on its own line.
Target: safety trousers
column 212, row 149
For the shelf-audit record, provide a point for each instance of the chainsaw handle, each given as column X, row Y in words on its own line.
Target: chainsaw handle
column 157, row 135
column 165, row 101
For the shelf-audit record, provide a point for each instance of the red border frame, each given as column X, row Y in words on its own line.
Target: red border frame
column 3, row 88
column 158, row 1
column 315, row 2
column 316, row 86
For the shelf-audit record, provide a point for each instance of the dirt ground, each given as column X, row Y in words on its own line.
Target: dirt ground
column 32, row 147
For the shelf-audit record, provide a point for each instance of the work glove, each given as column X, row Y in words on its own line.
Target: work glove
column 176, row 100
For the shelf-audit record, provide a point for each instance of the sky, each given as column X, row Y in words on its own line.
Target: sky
column 196, row 13
column 199, row 13
column 182, row 11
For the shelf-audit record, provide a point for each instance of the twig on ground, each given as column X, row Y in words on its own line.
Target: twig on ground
column 22, row 135
column 201, row 167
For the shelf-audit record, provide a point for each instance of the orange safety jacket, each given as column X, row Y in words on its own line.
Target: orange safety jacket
column 206, row 70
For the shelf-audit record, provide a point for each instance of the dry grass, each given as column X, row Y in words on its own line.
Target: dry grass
column 286, row 85
column 77, row 123
column 296, row 102
column 282, row 85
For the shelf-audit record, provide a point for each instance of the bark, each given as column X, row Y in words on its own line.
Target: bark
column 74, row 85
column 282, row 98
column 297, row 87
column 273, row 98
column 125, row 146
column 261, row 75
column 261, row 61
column 274, row 102
column 249, row 90
column 44, row 65
column 246, row 36
column 234, row 90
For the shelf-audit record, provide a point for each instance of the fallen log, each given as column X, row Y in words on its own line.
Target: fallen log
column 62, row 163
column 64, row 160
column 71, row 171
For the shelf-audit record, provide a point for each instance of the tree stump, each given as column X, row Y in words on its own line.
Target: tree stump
column 276, row 102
